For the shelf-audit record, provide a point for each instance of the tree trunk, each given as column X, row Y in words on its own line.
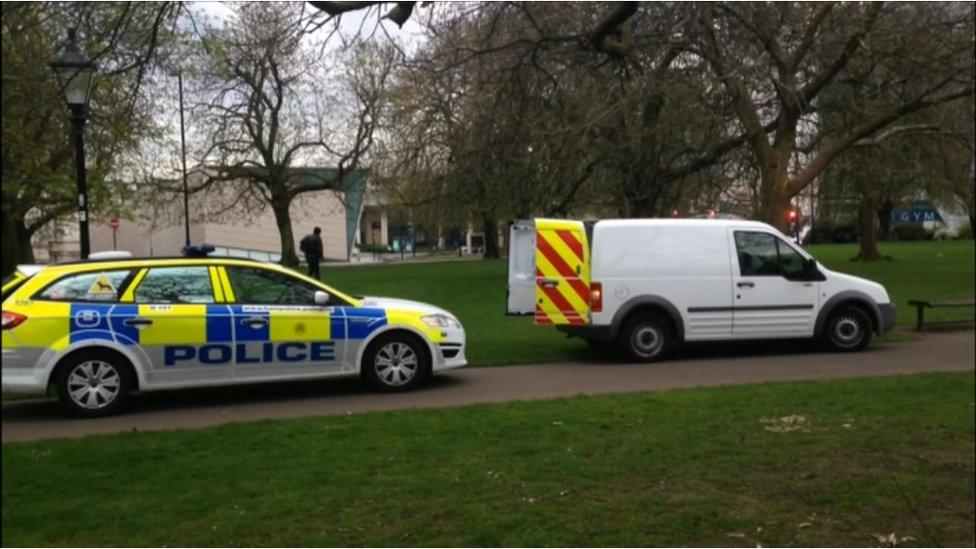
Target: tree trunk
column 280, row 207
column 16, row 243
column 491, row 236
column 11, row 245
column 641, row 207
column 774, row 203
column 26, row 250
column 867, row 215
column 884, row 218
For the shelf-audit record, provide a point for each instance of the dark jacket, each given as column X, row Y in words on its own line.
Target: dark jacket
column 311, row 246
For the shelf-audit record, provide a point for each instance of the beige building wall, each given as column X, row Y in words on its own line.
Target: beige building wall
column 214, row 219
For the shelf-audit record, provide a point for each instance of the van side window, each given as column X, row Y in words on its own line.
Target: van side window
column 758, row 255
column 762, row 254
column 90, row 286
column 790, row 261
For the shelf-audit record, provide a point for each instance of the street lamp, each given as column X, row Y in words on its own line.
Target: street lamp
column 74, row 72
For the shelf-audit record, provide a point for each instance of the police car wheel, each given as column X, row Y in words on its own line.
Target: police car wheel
column 94, row 384
column 848, row 329
column 395, row 362
column 644, row 338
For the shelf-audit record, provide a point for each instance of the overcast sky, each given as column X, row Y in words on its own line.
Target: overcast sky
column 166, row 151
column 409, row 36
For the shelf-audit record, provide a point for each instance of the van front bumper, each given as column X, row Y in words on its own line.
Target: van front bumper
column 889, row 315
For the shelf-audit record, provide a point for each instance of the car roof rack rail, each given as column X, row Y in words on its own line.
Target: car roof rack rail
column 114, row 254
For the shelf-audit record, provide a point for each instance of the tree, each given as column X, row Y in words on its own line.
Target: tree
column 951, row 153
column 38, row 173
column 775, row 61
column 269, row 106
column 506, row 117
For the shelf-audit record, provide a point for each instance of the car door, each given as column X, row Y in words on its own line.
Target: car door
column 178, row 322
column 278, row 330
column 771, row 297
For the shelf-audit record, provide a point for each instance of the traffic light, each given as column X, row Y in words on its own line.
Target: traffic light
column 792, row 215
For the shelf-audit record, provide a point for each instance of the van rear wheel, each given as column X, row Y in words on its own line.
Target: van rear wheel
column 644, row 338
column 848, row 329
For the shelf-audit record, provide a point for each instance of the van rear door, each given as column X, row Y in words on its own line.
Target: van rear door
column 549, row 271
column 521, row 268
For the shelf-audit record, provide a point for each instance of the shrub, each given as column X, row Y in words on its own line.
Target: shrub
column 841, row 233
column 372, row 248
column 912, row 232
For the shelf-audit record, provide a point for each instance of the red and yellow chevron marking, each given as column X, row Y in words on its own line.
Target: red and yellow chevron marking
column 561, row 258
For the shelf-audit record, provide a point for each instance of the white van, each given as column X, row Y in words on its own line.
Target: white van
column 647, row 284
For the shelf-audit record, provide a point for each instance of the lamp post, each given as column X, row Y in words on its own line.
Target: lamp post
column 74, row 72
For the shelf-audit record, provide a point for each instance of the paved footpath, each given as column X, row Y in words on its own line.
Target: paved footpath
column 701, row 366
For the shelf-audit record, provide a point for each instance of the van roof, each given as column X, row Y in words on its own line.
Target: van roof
column 680, row 223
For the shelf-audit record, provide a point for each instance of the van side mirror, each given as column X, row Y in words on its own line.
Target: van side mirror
column 810, row 270
column 321, row 297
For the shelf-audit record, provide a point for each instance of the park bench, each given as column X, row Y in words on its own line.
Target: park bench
column 922, row 305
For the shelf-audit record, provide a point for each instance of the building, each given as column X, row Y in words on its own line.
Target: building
column 237, row 223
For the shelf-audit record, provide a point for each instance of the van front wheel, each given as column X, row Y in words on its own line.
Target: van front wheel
column 848, row 329
column 644, row 338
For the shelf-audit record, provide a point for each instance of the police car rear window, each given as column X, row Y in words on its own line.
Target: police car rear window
column 90, row 286
column 13, row 281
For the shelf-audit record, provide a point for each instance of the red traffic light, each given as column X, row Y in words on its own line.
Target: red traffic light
column 791, row 215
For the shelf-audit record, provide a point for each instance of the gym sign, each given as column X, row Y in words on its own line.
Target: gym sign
column 917, row 213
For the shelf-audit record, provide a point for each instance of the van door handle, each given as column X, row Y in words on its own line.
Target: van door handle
column 138, row 322
column 746, row 285
column 548, row 283
column 255, row 322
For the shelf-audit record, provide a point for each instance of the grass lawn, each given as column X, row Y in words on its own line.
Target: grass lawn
column 475, row 292
column 807, row 464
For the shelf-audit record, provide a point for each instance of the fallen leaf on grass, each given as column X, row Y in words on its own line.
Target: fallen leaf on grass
column 735, row 535
column 892, row 540
column 785, row 424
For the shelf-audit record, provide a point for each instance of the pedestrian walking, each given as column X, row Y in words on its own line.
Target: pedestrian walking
column 311, row 246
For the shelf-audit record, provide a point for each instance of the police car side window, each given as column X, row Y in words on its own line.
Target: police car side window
column 175, row 285
column 91, row 286
column 264, row 287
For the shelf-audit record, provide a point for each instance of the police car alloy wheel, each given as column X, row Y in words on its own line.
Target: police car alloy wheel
column 93, row 384
column 848, row 329
column 644, row 338
column 395, row 362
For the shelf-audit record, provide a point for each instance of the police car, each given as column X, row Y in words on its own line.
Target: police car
column 99, row 330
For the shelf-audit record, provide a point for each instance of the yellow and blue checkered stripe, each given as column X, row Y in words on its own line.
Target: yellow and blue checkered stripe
column 218, row 323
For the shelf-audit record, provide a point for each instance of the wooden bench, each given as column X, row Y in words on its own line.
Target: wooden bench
column 922, row 305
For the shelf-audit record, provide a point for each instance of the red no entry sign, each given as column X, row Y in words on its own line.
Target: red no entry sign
column 114, row 223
